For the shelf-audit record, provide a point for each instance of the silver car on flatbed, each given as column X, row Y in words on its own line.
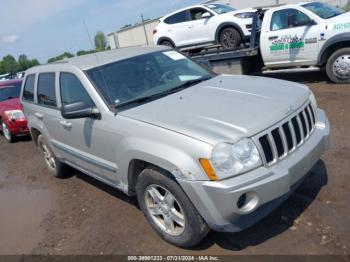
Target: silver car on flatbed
column 200, row 151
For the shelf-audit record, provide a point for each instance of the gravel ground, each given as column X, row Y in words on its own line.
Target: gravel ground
column 78, row 215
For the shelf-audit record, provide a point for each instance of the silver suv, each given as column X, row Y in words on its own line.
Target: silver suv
column 201, row 151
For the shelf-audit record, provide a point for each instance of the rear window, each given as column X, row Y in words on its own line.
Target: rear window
column 28, row 91
column 46, row 89
column 177, row 18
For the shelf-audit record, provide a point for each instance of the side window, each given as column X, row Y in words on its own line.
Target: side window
column 196, row 13
column 288, row 18
column 72, row 90
column 177, row 18
column 46, row 89
column 28, row 91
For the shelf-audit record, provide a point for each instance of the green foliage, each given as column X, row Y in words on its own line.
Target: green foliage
column 100, row 41
column 347, row 7
column 85, row 52
column 60, row 57
column 10, row 64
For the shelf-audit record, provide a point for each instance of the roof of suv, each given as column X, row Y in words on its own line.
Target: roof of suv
column 86, row 62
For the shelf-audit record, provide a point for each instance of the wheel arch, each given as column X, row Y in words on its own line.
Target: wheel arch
column 332, row 45
column 162, row 39
column 35, row 134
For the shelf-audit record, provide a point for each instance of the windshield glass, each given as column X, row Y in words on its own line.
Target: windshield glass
column 145, row 76
column 324, row 10
column 10, row 92
column 220, row 9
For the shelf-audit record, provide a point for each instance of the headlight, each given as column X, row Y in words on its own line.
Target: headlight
column 14, row 114
column 313, row 99
column 233, row 159
column 244, row 15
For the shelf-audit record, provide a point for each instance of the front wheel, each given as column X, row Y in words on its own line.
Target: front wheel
column 7, row 133
column 230, row 38
column 168, row 209
column 338, row 66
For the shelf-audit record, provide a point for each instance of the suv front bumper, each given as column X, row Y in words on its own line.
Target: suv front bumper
column 265, row 188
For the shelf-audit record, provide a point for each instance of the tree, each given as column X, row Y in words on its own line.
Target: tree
column 10, row 64
column 33, row 62
column 2, row 70
column 23, row 62
column 60, row 57
column 100, row 41
column 85, row 52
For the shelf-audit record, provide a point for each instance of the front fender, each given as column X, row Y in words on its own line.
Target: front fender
column 327, row 47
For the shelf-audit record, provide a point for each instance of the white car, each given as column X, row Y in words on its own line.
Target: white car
column 203, row 25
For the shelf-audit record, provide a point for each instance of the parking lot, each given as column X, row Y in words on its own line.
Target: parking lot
column 78, row 215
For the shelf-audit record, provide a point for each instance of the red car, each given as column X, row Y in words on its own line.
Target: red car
column 12, row 120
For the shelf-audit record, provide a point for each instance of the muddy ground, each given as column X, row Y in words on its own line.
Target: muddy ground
column 43, row 215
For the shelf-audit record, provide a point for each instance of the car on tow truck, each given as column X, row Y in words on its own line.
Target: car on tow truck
column 308, row 34
column 12, row 120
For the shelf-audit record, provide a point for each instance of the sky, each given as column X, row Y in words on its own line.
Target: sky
column 45, row 28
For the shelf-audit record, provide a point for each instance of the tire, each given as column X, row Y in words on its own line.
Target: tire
column 7, row 133
column 230, row 38
column 54, row 166
column 167, row 43
column 189, row 229
column 338, row 66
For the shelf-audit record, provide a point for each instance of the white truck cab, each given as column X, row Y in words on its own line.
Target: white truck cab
column 307, row 34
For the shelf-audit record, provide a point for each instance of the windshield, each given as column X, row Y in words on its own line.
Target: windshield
column 220, row 9
column 145, row 76
column 10, row 92
column 324, row 10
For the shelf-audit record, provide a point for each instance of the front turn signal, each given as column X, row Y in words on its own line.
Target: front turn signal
column 209, row 170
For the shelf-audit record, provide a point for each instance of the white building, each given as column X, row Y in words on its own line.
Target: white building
column 143, row 35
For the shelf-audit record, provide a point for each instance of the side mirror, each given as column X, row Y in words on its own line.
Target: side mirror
column 79, row 110
column 206, row 15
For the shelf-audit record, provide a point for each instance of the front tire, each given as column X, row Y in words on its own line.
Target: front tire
column 54, row 166
column 168, row 209
column 7, row 133
column 338, row 66
column 230, row 38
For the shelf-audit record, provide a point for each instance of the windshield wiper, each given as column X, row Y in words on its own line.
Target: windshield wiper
column 184, row 85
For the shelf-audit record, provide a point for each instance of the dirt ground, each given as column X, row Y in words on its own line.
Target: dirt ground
column 43, row 215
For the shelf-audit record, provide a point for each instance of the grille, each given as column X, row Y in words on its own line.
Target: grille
column 284, row 138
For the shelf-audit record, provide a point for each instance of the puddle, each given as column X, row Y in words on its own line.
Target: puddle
column 21, row 214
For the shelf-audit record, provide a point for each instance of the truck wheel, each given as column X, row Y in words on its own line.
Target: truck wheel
column 7, row 133
column 338, row 66
column 167, row 43
column 168, row 209
column 55, row 167
column 230, row 38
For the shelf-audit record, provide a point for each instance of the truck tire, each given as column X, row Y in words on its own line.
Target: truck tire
column 54, row 166
column 7, row 133
column 230, row 38
column 167, row 43
column 338, row 66
column 168, row 209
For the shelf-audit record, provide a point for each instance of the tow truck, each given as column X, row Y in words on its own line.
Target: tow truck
column 308, row 34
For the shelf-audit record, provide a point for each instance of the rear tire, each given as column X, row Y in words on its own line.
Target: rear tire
column 54, row 165
column 167, row 43
column 155, row 190
column 338, row 66
column 230, row 38
column 7, row 133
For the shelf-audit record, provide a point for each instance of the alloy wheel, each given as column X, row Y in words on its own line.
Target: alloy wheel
column 341, row 66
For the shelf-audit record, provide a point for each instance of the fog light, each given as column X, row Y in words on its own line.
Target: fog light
column 242, row 201
column 247, row 202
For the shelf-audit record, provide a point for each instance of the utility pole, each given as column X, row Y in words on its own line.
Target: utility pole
column 144, row 29
column 277, row 2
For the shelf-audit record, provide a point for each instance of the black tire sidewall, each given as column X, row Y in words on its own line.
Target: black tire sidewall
column 195, row 227
column 329, row 66
column 167, row 43
column 12, row 137
column 235, row 33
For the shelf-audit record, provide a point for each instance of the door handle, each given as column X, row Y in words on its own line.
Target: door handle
column 273, row 37
column 66, row 124
column 39, row 116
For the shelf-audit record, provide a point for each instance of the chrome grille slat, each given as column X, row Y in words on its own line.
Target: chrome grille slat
column 281, row 140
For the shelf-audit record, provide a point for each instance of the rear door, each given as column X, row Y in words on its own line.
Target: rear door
column 289, row 37
column 177, row 27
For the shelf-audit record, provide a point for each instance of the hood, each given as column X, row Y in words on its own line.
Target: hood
column 224, row 108
column 11, row 104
